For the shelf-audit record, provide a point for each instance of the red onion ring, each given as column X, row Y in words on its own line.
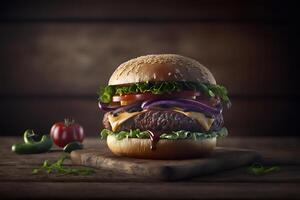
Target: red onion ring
column 128, row 107
column 107, row 107
column 186, row 104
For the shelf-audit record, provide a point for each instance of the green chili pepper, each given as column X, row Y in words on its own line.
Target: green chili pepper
column 73, row 146
column 31, row 146
column 30, row 136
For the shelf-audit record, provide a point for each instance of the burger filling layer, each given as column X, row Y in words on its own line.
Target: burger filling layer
column 163, row 110
column 116, row 120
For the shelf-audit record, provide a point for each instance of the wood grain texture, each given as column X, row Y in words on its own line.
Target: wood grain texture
column 285, row 151
column 54, row 55
column 221, row 159
column 59, row 68
column 23, row 173
column 145, row 10
column 181, row 190
column 15, row 172
column 74, row 59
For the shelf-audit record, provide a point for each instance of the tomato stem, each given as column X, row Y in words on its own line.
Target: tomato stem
column 69, row 121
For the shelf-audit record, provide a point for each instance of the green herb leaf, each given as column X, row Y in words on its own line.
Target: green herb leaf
column 59, row 168
column 104, row 133
column 45, row 164
column 182, row 134
column 221, row 92
column 259, row 169
column 106, row 94
column 35, row 171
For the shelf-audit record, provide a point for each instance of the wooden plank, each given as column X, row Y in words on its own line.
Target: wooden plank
column 246, row 117
column 171, row 170
column 181, row 190
column 75, row 58
column 146, row 10
column 23, row 173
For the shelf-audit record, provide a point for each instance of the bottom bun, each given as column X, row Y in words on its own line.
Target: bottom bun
column 165, row 149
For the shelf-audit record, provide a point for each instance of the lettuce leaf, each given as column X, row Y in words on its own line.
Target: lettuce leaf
column 106, row 93
column 175, row 135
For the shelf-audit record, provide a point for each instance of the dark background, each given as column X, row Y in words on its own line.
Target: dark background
column 55, row 54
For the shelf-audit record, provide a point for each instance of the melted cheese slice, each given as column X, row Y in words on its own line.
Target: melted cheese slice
column 205, row 122
column 116, row 121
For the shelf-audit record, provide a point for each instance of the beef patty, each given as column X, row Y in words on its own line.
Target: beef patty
column 163, row 120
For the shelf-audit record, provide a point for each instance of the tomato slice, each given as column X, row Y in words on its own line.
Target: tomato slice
column 130, row 98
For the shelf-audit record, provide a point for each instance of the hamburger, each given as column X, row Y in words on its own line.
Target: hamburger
column 163, row 106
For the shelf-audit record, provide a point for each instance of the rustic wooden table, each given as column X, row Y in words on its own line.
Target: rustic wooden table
column 17, row 181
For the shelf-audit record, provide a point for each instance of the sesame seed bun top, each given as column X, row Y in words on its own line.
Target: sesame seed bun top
column 161, row 67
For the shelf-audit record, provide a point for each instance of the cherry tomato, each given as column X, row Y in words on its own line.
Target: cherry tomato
column 62, row 133
column 130, row 98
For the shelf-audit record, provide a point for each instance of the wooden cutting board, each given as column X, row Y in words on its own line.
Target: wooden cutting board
column 221, row 159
